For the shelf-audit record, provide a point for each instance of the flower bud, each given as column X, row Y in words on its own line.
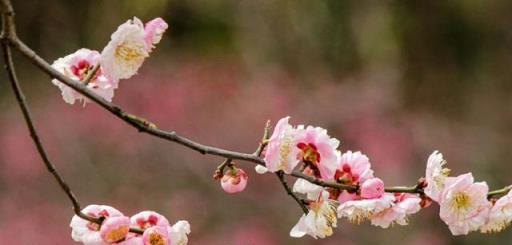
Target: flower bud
column 372, row 188
column 234, row 180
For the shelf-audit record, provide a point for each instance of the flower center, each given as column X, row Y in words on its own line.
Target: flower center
column 461, row 201
column 117, row 234
column 143, row 223
column 309, row 153
column 284, row 150
column 345, row 175
column 156, row 238
column 81, row 69
column 129, row 52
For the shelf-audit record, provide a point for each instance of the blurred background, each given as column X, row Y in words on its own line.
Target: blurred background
column 393, row 79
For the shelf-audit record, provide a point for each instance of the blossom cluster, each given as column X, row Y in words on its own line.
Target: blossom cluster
column 129, row 46
column 464, row 205
column 116, row 228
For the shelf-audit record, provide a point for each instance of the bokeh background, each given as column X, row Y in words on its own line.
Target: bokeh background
column 394, row 79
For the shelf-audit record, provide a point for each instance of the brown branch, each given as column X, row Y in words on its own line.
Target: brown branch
column 91, row 74
column 20, row 97
column 280, row 176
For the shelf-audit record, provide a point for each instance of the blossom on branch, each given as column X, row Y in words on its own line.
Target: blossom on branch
column 281, row 152
column 320, row 219
column 77, row 66
column 500, row 215
column 234, row 180
column 354, row 168
column 357, row 211
column 435, row 175
column 404, row 204
column 115, row 229
column 463, row 204
column 87, row 232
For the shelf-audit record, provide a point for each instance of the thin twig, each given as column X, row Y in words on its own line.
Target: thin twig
column 20, row 97
column 264, row 140
column 501, row 191
column 91, row 74
column 280, row 176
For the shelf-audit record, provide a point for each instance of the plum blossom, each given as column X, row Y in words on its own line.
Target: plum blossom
column 87, row 232
column 153, row 31
column 234, row 180
column 500, row 215
column 281, row 152
column 353, row 168
column 463, row 204
column 77, row 66
column 320, row 219
column 403, row 205
column 305, row 187
column 126, row 51
column 156, row 235
column 318, row 150
column 178, row 232
column 372, row 188
column 358, row 210
column 115, row 229
column 435, row 175
column 146, row 219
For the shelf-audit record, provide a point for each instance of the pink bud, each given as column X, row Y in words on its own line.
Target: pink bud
column 115, row 229
column 156, row 235
column 372, row 188
column 234, row 180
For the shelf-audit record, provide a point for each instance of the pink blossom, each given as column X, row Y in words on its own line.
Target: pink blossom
column 132, row 240
column 358, row 210
column 435, row 175
column 126, row 51
column 77, row 66
column 153, row 31
column 281, row 151
column 463, row 204
column 320, row 219
column 318, row 150
column 500, row 215
column 146, row 219
column 234, row 180
column 403, row 205
column 88, row 232
column 115, row 229
column 157, row 235
column 372, row 188
column 353, row 168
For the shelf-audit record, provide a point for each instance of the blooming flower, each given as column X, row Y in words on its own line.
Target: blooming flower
column 403, row 205
column 146, row 219
column 311, row 190
column 153, row 31
column 463, row 204
column 87, row 232
column 318, row 150
column 234, row 180
column 500, row 215
column 156, row 235
column 358, row 210
column 354, row 168
column 115, row 229
column 435, row 175
column 178, row 232
column 77, row 66
column 126, row 51
column 281, row 151
column 320, row 219
column 372, row 188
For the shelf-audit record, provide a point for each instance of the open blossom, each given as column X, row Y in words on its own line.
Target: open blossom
column 153, row 31
column 320, row 219
column 500, row 215
column 358, row 210
column 463, row 204
column 435, row 175
column 318, row 150
column 87, row 232
column 115, row 229
column 126, row 51
column 354, row 168
column 146, row 219
column 403, row 205
column 77, row 66
column 156, row 235
column 234, row 180
column 305, row 187
column 178, row 232
column 281, row 152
